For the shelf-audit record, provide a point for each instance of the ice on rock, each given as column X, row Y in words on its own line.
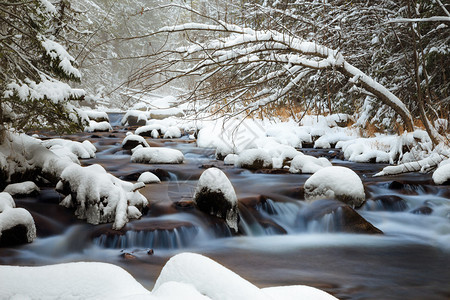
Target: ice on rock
column 215, row 195
column 254, row 159
column 148, row 177
column 12, row 220
column 22, row 188
column 442, row 173
column 100, row 197
column 335, row 182
column 308, row 164
column 157, row 155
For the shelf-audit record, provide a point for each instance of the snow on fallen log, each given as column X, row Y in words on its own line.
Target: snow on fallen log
column 422, row 166
column 22, row 189
column 442, row 173
column 100, row 197
column 82, row 150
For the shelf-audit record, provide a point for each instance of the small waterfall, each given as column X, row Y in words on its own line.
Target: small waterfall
column 176, row 238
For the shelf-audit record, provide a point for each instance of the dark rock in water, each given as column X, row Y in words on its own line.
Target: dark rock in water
column 95, row 136
column 150, row 252
column 411, row 188
column 16, row 235
column 391, row 202
column 134, row 121
column 183, row 204
column 162, row 174
column 130, row 144
column 345, row 218
column 423, row 210
column 272, row 171
column 215, row 195
column 127, row 255
column 207, row 166
column 256, row 164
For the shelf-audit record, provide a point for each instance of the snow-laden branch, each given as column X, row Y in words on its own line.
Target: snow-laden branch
column 244, row 45
column 416, row 20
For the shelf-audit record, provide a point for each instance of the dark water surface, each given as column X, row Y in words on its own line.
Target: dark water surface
column 277, row 244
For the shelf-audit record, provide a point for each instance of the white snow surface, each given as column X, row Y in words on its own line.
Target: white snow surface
column 11, row 216
column 91, row 185
column 140, row 115
column 96, row 115
column 185, row 276
column 215, row 281
column 148, row 177
column 442, row 173
column 21, row 188
column 335, row 182
column 157, row 155
column 98, row 126
column 172, row 132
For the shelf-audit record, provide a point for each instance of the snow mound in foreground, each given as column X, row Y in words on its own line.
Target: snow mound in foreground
column 442, row 173
column 157, row 155
column 100, row 197
column 217, row 282
column 10, row 217
column 335, row 182
column 185, row 276
column 215, row 195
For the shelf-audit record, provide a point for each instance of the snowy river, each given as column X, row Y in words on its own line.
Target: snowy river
column 282, row 240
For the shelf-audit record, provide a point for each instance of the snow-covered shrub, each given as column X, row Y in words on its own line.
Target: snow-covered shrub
column 100, row 197
column 335, row 182
column 157, row 155
column 215, row 195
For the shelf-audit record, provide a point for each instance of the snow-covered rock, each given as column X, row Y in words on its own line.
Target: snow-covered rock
column 148, row 177
column 254, row 159
column 98, row 126
column 335, row 182
column 166, row 112
column 157, row 155
column 308, row 164
column 230, row 159
column 16, row 224
column 442, row 173
column 172, row 132
column 100, row 197
column 97, row 116
column 215, row 281
column 133, row 140
column 149, row 130
column 22, row 189
column 135, row 118
column 82, row 150
column 215, row 195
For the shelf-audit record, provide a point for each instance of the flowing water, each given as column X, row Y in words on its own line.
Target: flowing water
column 282, row 240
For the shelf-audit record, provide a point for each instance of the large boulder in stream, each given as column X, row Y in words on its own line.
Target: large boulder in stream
column 342, row 217
column 133, row 140
column 16, row 224
column 335, row 182
column 254, row 159
column 215, row 195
